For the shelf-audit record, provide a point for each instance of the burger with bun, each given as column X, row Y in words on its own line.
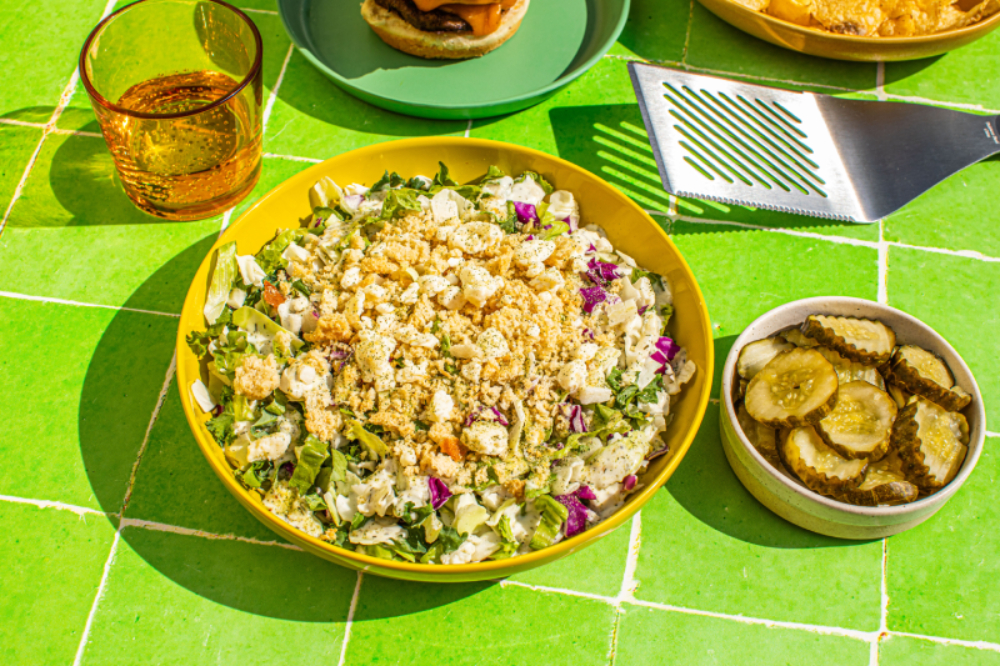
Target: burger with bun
column 449, row 29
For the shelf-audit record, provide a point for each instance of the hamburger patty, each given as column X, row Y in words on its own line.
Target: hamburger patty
column 435, row 21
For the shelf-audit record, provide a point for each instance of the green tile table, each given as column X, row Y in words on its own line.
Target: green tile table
column 122, row 547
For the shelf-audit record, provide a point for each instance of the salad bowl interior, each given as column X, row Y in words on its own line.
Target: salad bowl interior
column 628, row 227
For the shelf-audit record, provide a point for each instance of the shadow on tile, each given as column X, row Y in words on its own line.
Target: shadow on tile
column 611, row 140
column 900, row 71
column 233, row 582
column 728, row 507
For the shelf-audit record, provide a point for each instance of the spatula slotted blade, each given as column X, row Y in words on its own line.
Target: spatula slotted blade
column 803, row 153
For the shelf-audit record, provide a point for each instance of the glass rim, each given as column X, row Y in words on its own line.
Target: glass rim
column 111, row 106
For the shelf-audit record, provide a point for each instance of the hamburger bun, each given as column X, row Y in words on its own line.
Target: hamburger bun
column 400, row 35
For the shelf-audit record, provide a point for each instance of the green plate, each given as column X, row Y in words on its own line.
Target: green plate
column 558, row 41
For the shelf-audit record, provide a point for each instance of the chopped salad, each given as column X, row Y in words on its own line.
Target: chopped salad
column 439, row 373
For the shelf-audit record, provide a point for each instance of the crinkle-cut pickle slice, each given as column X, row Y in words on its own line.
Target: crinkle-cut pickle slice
column 899, row 395
column 764, row 439
column 860, row 425
column 932, row 442
column 796, row 388
column 884, row 484
column 861, row 340
column 849, row 371
column 818, row 466
column 927, row 375
column 794, row 337
column 754, row 356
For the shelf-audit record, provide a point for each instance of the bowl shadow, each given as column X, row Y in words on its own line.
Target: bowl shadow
column 228, row 571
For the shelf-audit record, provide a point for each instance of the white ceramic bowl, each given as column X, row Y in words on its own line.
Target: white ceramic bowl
column 785, row 495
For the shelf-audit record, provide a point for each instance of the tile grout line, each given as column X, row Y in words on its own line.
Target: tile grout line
column 268, row 107
column 171, row 370
column 21, row 123
column 49, row 128
column 810, row 84
column 51, row 504
column 963, row 254
column 992, row 434
column 293, row 158
column 251, row 10
column 468, row 128
column 81, row 648
column 139, row 523
column 542, row 589
column 629, row 584
column 62, row 301
column 274, row 92
column 883, row 265
column 883, row 625
column 66, row 132
column 976, row 645
column 350, row 618
column 687, row 35
column 880, row 81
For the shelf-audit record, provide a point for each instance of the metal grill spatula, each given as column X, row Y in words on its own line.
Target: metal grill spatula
column 798, row 152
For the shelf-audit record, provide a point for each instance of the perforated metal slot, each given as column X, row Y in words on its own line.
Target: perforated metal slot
column 751, row 141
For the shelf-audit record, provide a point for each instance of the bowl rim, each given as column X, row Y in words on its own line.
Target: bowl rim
column 914, row 40
column 476, row 570
column 820, row 305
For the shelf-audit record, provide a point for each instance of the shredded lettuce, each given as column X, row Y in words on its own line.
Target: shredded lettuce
column 313, row 454
column 256, row 321
column 388, row 181
column 553, row 516
column 371, row 441
column 269, row 258
column 508, row 545
column 223, row 275
column 397, row 203
column 544, row 184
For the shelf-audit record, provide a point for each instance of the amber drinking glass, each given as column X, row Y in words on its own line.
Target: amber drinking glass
column 176, row 86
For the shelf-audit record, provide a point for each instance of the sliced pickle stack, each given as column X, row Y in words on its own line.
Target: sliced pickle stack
column 850, row 414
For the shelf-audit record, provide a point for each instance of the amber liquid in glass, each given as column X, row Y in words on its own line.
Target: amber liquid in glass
column 192, row 166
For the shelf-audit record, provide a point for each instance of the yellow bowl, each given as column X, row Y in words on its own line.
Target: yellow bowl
column 628, row 227
column 845, row 47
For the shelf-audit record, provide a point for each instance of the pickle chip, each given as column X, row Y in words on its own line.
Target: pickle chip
column 818, row 466
column 932, row 443
column 794, row 336
column 861, row 340
column 754, row 356
column 899, row 395
column 764, row 439
column 884, row 484
column 849, row 371
column 927, row 375
column 797, row 387
column 860, row 425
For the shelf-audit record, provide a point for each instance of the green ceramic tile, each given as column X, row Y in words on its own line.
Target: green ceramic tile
column 265, row 5
column 707, row 544
column 935, row 78
column 717, row 46
column 314, row 118
column 480, row 623
column 656, row 30
column 173, row 599
column 959, row 298
column 77, row 406
column 53, row 562
column 16, row 146
column 597, row 569
column 942, row 574
column 607, row 138
column 274, row 172
column 39, row 46
column 952, row 215
column 78, row 236
column 905, row 651
column 647, row 636
column 743, row 274
column 78, row 115
column 175, row 485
